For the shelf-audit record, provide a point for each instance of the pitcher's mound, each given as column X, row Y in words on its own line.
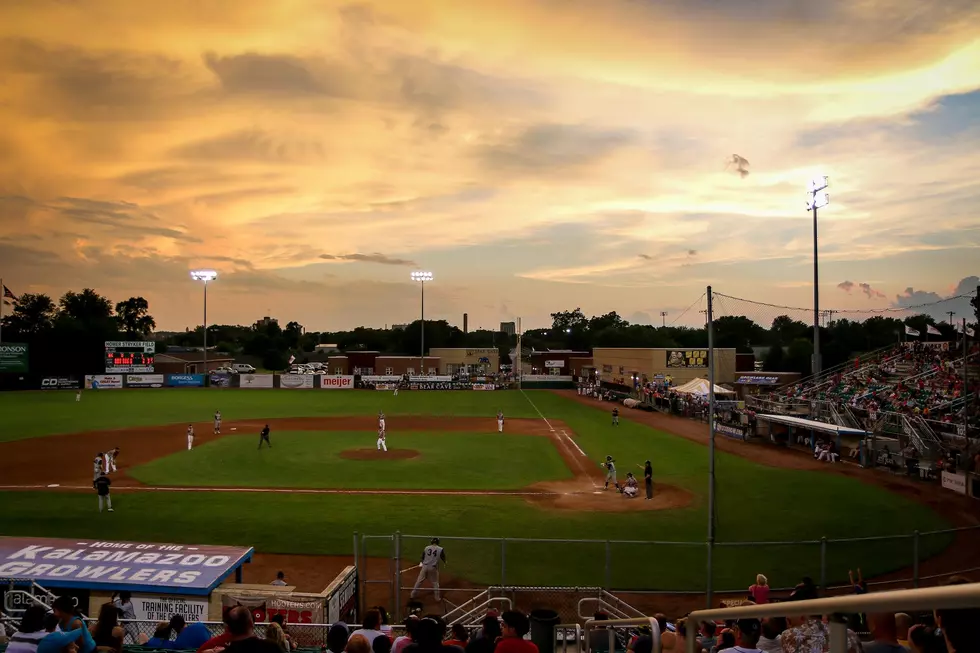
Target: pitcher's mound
column 374, row 454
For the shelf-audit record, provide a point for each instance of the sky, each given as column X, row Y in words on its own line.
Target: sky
column 534, row 155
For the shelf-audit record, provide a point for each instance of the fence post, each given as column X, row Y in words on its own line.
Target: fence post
column 608, row 566
column 357, row 570
column 397, row 581
column 915, row 558
column 503, row 562
column 823, row 563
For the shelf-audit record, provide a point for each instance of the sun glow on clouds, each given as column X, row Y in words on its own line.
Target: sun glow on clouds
column 317, row 149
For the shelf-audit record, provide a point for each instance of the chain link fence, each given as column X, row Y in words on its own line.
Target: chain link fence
column 312, row 636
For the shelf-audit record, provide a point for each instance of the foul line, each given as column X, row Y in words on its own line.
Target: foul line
column 145, row 488
column 540, row 414
column 566, row 436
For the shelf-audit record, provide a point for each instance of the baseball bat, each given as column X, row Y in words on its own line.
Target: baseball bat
column 410, row 568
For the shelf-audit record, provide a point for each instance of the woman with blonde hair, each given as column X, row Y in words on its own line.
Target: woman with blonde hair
column 759, row 593
column 275, row 634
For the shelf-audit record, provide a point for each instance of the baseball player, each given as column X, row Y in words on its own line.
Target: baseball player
column 500, row 421
column 381, row 422
column 97, row 465
column 396, row 391
column 101, row 485
column 110, row 460
column 610, row 466
column 382, row 445
column 615, row 416
column 217, row 422
column 190, row 437
column 264, row 437
column 78, row 395
column 432, row 555
column 631, row 490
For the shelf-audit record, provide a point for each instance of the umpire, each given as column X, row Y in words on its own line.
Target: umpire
column 264, row 437
column 648, row 479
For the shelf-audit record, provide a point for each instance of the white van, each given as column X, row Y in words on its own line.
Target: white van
column 243, row 368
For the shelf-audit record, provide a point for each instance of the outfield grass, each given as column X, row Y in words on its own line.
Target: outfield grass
column 310, row 459
column 34, row 414
column 755, row 503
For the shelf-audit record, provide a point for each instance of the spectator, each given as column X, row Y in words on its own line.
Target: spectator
column 680, row 636
column 810, row 633
column 516, row 626
column 30, row 632
column 804, row 591
column 357, row 644
column 460, row 636
column 487, row 639
column 726, row 641
column 859, row 586
column 884, row 630
column 959, row 625
column 66, row 612
column 381, row 645
column 61, row 641
column 747, row 634
column 371, row 626
column 406, row 639
column 279, row 619
column 759, row 593
column 189, row 637
column 274, row 634
column 903, row 623
column 106, row 632
column 161, row 637
column 126, row 611
column 429, row 633
column 707, row 640
column 772, row 628
column 337, row 637
column 218, row 641
column 280, row 580
column 242, row 630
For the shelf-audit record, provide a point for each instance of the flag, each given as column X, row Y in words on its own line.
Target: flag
column 965, row 329
column 932, row 330
column 8, row 295
column 291, row 359
column 909, row 331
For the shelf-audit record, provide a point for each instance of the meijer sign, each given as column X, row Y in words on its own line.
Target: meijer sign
column 336, row 382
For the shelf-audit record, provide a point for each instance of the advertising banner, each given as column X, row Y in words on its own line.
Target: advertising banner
column 441, row 385
column 144, row 380
column 342, row 597
column 554, row 364
column 954, row 482
column 484, row 386
column 751, row 379
column 220, row 380
column 734, row 432
column 255, row 380
column 119, row 565
column 381, row 378
column 103, row 381
column 336, row 382
column 295, row 381
column 547, row 377
column 687, row 358
column 429, row 379
column 13, row 357
column 161, row 608
column 60, row 383
column 264, row 608
column 385, row 386
column 941, row 346
column 185, row 380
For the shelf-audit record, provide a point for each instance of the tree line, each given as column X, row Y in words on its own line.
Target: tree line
column 68, row 336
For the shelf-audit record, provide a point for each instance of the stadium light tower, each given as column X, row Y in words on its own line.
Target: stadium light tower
column 421, row 278
column 817, row 198
column 205, row 276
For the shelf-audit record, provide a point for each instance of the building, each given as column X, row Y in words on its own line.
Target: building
column 558, row 362
column 454, row 360
column 401, row 365
column 373, row 363
column 191, row 362
column 510, row 328
column 623, row 365
column 399, row 327
column 265, row 322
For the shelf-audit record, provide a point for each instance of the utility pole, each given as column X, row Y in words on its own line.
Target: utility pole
column 950, row 314
column 830, row 317
column 663, row 316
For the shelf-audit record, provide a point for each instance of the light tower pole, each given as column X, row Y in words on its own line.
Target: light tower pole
column 205, row 276
column 817, row 198
column 421, row 278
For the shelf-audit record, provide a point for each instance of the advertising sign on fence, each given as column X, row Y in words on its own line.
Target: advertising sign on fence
column 381, row 378
column 120, row 565
column 342, row 597
column 429, row 379
column 185, row 380
column 752, row 379
column 144, row 380
column 954, row 482
column 13, row 357
column 220, row 380
column 687, row 358
column 731, row 431
column 385, row 386
column 60, row 383
column 161, row 608
column 296, row 381
column 554, row 364
column 546, row 377
column 255, row 380
column 263, row 608
column 336, row 382
column 483, row 386
column 103, row 381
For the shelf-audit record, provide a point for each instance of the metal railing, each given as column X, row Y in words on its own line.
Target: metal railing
column 303, row 635
column 951, row 597
column 611, row 626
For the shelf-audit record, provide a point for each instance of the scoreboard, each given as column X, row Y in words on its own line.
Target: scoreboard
column 125, row 357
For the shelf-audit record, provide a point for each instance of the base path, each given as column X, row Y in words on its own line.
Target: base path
column 64, row 462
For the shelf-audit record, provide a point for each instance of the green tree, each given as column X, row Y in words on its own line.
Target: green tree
column 774, row 359
column 568, row 320
column 33, row 314
column 798, row 356
column 134, row 317
column 274, row 359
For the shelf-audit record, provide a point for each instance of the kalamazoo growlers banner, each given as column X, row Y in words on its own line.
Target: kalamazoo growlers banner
column 13, row 357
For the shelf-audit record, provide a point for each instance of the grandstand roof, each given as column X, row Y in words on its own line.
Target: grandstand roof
column 811, row 424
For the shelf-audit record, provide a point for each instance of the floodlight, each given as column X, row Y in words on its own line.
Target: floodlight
column 819, row 200
column 818, row 183
column 422, row 276
column 204, row 275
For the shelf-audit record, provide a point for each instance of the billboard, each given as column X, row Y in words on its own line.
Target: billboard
column 954, row 482
column 337, row 382
column 13, row 357
column 296, row 381
column 124, row 356
column 115, row 565
column 255, row 380
column 342, row 597
column 220, row 380
column 103, row 381
column 144, row 380
column 687, row 358
column 184, row 380
column 161, row 608
column 60, row 383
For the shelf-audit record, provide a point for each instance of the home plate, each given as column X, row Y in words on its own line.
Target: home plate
column 54, row 485
column 597, row 492
column 233, row 428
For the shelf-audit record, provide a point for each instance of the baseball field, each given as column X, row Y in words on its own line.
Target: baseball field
column 448, row 473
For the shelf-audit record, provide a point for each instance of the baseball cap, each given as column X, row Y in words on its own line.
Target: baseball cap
column 749, row 626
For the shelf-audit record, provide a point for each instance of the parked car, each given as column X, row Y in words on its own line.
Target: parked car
column 243, row 368
column 224, row 370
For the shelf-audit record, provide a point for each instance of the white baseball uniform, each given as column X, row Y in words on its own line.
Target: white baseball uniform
column 382, row 446
column 217, row 422
column 110, row 462
column 381, row 425
column 500, row 422
column 78, row 396
column 190, row 438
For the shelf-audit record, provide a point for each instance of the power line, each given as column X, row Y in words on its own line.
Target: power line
column 703, row 295
column 849, row 310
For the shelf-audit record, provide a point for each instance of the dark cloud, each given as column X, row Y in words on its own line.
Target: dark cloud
column 367, row 258
column 692, row 252
column 253, row 73
column 645, row 257
column 939, row 305
column 190, row 176
column 846, row 286
column 739, row 165
column 235, row 196
column 251, row 144
column 125, row 218
column 554, row 149
column 871, row 292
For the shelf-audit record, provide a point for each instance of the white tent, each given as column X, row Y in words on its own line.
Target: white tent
column 700, row 387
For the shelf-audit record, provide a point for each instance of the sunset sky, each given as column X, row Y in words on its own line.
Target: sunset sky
column 535, row 155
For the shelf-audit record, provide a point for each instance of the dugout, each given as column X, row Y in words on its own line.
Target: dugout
column 785, row 429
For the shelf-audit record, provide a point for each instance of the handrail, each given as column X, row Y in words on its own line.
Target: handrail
column 563, row 629
column 830, row 371
column 611, row 624
column 952, row 596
